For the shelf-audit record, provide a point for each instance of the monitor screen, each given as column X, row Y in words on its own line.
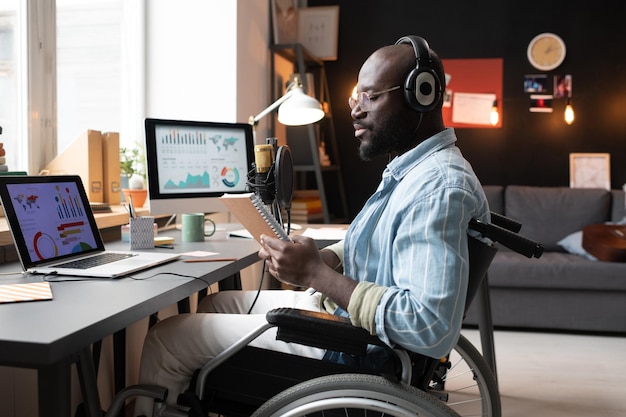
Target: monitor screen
column 191, row 163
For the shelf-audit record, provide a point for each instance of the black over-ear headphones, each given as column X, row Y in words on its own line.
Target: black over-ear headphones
column 422, row 87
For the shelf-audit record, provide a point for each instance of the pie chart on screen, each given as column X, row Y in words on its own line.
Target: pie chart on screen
column 44, row 246
column 81, row 246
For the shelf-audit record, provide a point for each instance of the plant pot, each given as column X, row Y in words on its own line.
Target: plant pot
column 139, row 196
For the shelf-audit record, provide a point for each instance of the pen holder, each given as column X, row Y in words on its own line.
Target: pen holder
column 125, row 232
column 142, row 232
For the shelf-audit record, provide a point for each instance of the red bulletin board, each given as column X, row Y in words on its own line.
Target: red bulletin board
column 479, row 76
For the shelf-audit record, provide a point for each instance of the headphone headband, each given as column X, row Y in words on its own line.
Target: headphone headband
column 422, row 87
column 420, row 47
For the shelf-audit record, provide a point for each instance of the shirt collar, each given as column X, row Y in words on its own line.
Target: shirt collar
column 401, row 165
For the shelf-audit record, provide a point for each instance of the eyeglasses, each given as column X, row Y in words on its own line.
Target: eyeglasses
column 364, row 100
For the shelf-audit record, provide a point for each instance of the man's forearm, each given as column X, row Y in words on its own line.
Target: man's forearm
column 331, row 259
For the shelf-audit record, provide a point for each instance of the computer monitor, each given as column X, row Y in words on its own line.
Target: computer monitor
column 192, row 163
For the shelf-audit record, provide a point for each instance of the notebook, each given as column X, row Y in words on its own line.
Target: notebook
column 254, row 215
column 54, row 230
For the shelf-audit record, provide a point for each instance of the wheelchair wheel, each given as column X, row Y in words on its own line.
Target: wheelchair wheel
column 469, row 383
column 353, row 395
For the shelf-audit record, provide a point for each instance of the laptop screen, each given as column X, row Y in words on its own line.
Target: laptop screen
column 49, row 217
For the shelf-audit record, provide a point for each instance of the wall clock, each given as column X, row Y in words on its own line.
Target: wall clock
column 546, row 51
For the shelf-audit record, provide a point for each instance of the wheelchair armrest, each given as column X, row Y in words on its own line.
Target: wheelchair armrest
column 322, row 330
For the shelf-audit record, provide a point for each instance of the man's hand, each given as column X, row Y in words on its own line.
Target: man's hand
column 294, row 263
column 301, row 264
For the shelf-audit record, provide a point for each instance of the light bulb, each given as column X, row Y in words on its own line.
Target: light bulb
column 569, row 113
column 494, row 117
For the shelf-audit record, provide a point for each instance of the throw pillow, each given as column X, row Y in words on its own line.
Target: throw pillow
column 574, row 244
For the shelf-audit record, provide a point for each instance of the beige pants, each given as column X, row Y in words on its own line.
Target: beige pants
column 175, row 347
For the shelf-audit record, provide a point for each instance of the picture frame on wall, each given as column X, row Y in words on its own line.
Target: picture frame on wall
column 318, row 30
column 590, row 170
column 285, row 21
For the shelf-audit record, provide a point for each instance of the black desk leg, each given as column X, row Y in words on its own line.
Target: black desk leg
column 485, row 325
column 88, row 383
column 184, row 306
column 54, row 383
column 231, row 283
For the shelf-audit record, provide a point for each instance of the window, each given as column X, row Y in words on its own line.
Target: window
column 71, row 65
column 12, row 69
column 66, row 68
column 88, row 53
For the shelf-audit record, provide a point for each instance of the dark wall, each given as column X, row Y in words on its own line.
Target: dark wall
column 530, row 148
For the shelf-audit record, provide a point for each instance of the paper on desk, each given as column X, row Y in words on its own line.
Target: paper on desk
column 321, row 233
column 199, row 253
column 325, row 233
column 245, row 234
column 240, row 233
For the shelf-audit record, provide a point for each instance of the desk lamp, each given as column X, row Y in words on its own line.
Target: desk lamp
column 295, row 108
column 272, row 175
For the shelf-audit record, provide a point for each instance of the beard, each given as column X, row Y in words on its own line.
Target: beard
column 395, row 137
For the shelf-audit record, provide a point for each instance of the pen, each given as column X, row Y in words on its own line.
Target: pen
column 131, row 206
column 210, row 260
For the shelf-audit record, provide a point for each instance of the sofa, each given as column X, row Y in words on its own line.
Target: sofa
column 566, row 289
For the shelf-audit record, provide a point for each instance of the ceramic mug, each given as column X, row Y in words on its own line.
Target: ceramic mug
column 194, row 227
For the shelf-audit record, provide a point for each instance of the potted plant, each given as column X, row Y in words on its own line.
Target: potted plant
column 133, row 176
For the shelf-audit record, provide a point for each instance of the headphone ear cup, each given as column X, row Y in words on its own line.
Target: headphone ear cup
column 425, row 88
column 421, row 89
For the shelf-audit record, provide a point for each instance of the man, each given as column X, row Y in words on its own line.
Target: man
column 402, row 271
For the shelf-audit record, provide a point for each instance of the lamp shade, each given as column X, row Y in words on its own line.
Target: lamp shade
column 300, row 109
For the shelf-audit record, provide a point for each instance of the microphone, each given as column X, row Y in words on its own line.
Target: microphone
column 271, row 176
column 264, row 184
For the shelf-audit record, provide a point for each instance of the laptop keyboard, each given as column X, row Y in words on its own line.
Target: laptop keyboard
column 96, row 260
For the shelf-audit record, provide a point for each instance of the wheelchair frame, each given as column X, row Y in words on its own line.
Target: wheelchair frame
column 218, row 386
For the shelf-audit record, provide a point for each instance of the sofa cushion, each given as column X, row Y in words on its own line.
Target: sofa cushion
column 548, row 214
column 556, row 271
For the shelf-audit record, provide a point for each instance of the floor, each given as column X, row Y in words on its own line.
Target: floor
column 559, row 375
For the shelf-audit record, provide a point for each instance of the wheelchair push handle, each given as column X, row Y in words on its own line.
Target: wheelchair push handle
column 506, row 222
column 513, row 241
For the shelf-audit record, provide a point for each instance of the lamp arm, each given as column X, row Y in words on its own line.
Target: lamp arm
column 254, row 121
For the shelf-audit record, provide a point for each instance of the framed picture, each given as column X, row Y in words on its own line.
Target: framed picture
column 563, row 86
column 318, row 29
column 285, row 21
column 537, row 83
column 590, row 170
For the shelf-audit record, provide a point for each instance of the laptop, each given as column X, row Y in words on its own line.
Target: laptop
column 55, row 231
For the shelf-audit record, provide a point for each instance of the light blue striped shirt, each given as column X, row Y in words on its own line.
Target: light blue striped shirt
column 411, row 238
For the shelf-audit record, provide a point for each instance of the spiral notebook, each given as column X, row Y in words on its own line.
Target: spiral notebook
column 254, row 215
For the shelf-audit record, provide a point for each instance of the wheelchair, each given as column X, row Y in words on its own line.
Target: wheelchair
column 248, row 381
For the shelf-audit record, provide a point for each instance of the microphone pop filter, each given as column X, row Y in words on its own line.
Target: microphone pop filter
column 283, row 172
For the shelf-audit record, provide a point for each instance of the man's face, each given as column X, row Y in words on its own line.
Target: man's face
column 389, row 125
column 385, row 132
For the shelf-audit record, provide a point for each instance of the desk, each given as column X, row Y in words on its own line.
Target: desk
column 51, row 335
